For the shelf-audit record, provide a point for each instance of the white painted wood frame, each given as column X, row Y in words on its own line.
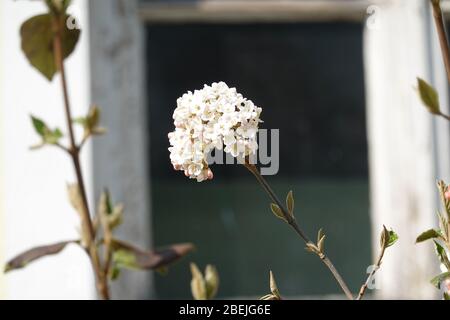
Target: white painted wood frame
column 121, row 158
column 408, row 149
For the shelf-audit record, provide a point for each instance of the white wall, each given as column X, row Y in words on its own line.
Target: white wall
column 34, row 207
column 403, row 147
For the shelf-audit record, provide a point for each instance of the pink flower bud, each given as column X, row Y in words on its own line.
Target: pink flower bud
column 210, row 174
column 447, row 194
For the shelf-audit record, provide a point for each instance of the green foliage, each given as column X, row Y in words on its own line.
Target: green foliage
column 429, row 96
column 427, row 235
column 276, row 210
column 58, row 6
column 388, row 238
column 128, row 256
column 91, row 122
column 436, row 281
column 47, row 135
column 112, row 214
column 442, row 254
column 290, row 203
column 38, row 34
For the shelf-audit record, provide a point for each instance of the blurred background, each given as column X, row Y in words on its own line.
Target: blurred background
column 336, row 77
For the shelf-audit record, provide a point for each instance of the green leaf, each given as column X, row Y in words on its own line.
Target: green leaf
column 436, row 281
column 129, row 256
column 39, row 126
column 91, row 122
column 31, row 255
column 110, row 214
column 276, row 210
column 393, row 237
column 37, row 42
column 125, row 259
column 53, row 137
column 58, row 6
column 442, row 254
column 114, row 273
column 446, row 296
column 387, row 238
column 290, row 203
column 48, row 136
column 429, row 234
column 429, row 96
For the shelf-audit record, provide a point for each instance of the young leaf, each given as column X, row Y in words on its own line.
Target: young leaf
column 125, row 259
column 274, row 286
column 311, row 247
column 442, row 191
column 393, row 237
column 277, row 212
column 37, row 42
column 39, row 126
column 58, row 6
column 211, row 281
column 198, row 284
column 443, row 225
column 75, row 198
column 112, row 215
column 442, row 254
column 429, row 234
column 48, row 136
column 436, row 281
column 290, row 203
column 321, row 244
column 114, row 272
column 320, row 235
column 429, row 96
column 132, row 257
column 90, row 123
column 31, row 255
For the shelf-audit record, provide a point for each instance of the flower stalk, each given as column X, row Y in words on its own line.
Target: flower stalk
column 74, row 152
column 293, row 223
column 440, row 27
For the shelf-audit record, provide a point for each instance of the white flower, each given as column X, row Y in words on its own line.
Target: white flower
column 213, row 117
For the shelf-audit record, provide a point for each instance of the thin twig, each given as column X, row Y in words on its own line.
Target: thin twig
column 444, row 116
column 107, row 236
column 440, row 26
column 63, row 148
column 101, row 279
column 291, row 221
column 363, row 289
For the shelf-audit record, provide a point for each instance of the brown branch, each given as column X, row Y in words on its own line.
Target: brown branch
column 291, row 221
column 101, row 279
column 363, row 289
column 440, row 27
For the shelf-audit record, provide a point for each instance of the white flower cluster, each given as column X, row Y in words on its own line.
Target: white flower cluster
column 214, row 117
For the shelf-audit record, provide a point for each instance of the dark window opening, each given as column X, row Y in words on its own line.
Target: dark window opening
column 308, row 78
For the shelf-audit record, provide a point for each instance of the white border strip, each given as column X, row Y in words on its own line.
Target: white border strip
column 219, row 11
